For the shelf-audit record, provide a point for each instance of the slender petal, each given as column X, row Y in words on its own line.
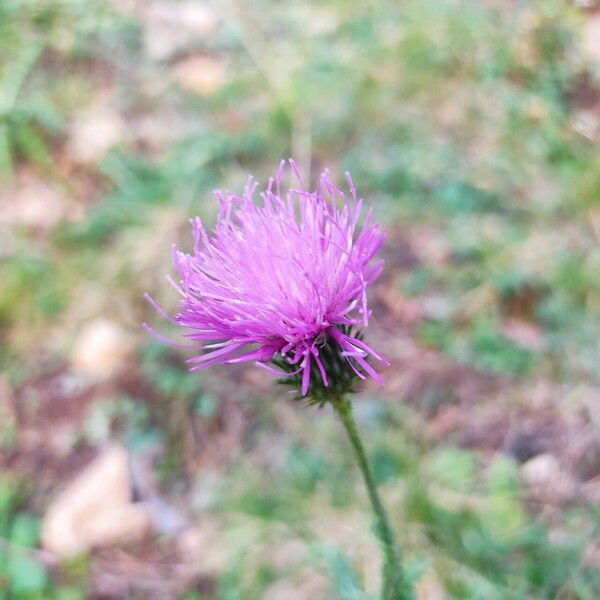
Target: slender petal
column 279, row 276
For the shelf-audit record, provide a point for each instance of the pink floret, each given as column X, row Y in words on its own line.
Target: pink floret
column 278, row 276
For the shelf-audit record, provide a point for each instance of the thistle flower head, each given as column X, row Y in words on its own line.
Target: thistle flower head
column 282, row 281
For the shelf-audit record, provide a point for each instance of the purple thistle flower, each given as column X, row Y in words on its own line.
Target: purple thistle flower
column 280, row 280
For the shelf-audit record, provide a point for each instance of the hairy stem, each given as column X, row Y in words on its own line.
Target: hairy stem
column 395, row 584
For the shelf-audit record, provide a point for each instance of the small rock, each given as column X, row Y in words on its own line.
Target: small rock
column 100, row 349
column 96, row 509
column 200, row 74
column 93, row 134
column 540, row 470
column 548, row 482
column 32, row 202
column 197, row 18
column 158, row 128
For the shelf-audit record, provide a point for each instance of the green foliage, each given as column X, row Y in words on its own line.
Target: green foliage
column 205, row 406
column 28, row 284
column 437, row 334
column 21, row 124
column 168, row 374
column 499, row 553
column 137, row 186
column 345, row 582
column 481, row 543
column 452, row 467
column 21, row 573
column 24, row 530
column 26, row 576
column 307, row 469
column 455, row 197
column 483, row 346
column 121, row 416
column 30, row 120
column 416, row 281
column 491, row 351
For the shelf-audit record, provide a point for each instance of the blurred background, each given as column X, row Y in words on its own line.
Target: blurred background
column 472, row 127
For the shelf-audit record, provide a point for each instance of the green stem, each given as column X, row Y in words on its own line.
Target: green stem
column 395, row 584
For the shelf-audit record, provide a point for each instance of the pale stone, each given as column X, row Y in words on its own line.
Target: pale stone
column 93, row 133
column 540, row 469
column 200, row 74
column 547, row 481
column 32, row 202
column 100, row 349
column 96, row 509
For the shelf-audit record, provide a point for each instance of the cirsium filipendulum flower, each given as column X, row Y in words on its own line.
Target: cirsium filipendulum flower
column 283, row 281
